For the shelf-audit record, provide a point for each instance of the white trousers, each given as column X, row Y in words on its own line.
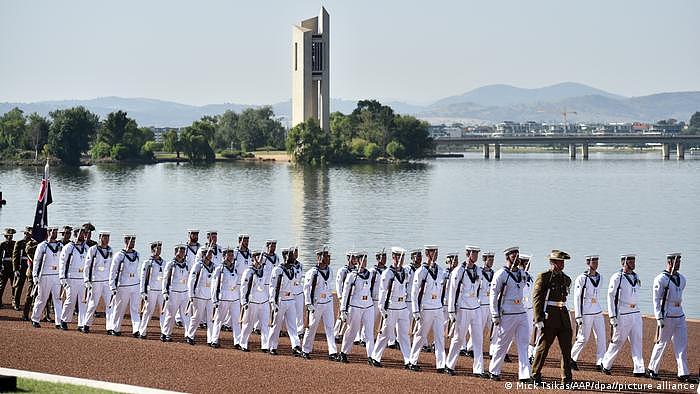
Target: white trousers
column 322, row 313
column 675, row 330
column 359, row 318
column 100, row 291
column 338, row 323
column 531, row 326
column 75, row 295
column 628, row 327
column 512, row 326
column 299, row 304
column 596, row 323
column 256, row 314
column 202, row 311
column 127, row 295
column 228, row 311
column 287, row 314
column 155, row 298
column 48, row 286
column 388, row 333
column 177, row 303
column 431, row 320
column 485, row 323
column 467, row 320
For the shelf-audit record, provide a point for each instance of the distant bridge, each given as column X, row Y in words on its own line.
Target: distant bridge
column 667, row 141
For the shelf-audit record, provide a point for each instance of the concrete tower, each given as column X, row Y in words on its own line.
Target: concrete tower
column 310, row 70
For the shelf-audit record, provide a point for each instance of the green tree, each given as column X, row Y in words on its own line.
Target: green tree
column 70, row 133
column 119, row 152
column 13, row 126
column 196, row 139
column 308, row 143
column 114, row 127
column 396, row 150
column 100, row 150
column 38, row 131
column 372, row 151
column 170, row 141
column 694, row 123
column 225, row 136
column 413, row 134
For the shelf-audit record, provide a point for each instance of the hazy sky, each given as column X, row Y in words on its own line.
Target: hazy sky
column 200, row 52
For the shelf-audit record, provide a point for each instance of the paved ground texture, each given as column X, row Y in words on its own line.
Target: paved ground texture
column 200, row 369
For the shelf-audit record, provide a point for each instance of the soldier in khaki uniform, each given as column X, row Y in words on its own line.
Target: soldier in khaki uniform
column 19, row 265
column 6, row 248
column 29, row 250
column 552, row 319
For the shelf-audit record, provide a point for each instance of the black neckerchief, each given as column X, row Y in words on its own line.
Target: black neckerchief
column 107, row 251
column 181, row 264
column 595, row 279
column 633, row 281
column 324, row 272
column 158, row 261
column 474, row 277
column 488, row 275
column 288, row 271
column 231, row 269
column 210, row 268
column 430, row 271
column 379, row 269
column 399, row 274
column 58, row 246
column 267, row 257
column 675, row 278
column 259, row 271
column 194, row 252
column 363, row 273
column 81, row 250
column 517, row 278
column 126, row 255
column 244, row 253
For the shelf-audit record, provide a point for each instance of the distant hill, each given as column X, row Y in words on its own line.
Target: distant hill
column 488, row 104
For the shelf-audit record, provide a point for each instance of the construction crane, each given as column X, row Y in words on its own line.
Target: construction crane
column 564, row 113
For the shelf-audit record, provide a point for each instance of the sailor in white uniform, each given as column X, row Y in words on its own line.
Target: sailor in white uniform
column 199, row 286
column 212, row 243
column 670, row 318
column 283, row 304
column 45, row 275
column 298, row 291
column 318, row 297
column 625, row 317
column 339, row 283
column 357, row 309
column 70, row 267
column 241, row 255
column 175, row 292
column 486, row 278
column 255, row 302
column 151, row 287
column 226, row 295
column 124, row 283
column 192, row 249
column 588, row 312
column 375, row 276
column 524, row 265
column 96, row 276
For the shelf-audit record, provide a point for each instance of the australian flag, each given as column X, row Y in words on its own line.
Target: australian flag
column 41, row 218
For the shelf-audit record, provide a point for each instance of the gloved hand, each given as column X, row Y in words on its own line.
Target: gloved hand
column 88, row 285
column 245, row 306
column 114, row 292
column 144, row 297
column 64, row 282
column 191, row 300
column 453, row 317
column 166, row 296
column 539, row 325
column 16, row 274
column 216, row 304
column 35, row 279
column 275, row 307
column 344, row 316
column 416, row 316
column 660, row 323
column 310, row 308
column 579, row 320
column 613, row 321
column 496, row 320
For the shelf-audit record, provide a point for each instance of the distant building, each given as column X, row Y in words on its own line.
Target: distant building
column 666, row 127
column 159, row 132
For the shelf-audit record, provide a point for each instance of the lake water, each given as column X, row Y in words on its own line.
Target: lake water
column 611, row 204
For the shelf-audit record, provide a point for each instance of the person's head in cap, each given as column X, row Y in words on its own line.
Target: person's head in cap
column 208, row 255
column 285, row 253
column 451, row 260
column 65, row 234
column 228, row 256
column 397, row 256
column 88, row 228
column 472, row 253
column 295, row 251
column 524, row 262
column 103, row 237
column 9, row 233
column 488, row 258
column 192, row 236
column 628, row 262
column 511, row 254
column 79, row 235
column 257, row 258
column 361, row 260
column 380, row 255
column 52, row 233
column 156, row 248
column 323, row 257
column 27, row 233
column 351, row 259
column 431, row 254
column 270, row 246
column 180, row 251
column 129, row 242
column 416, row 258
column 592, row 263
column 212, row 237
column 673, row 262
column 243, row 240
column 556, row 259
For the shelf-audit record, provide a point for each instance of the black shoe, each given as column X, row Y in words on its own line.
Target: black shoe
column 574, row 365
column 15, row 307
column 496, row 378
column 307, row 356
column 208, row 343
column 607, row 371
column 64, row 326
column 244, row 349
column 135, row 334
column 80, row 328
column 117, row 333
column 537, row 379
column 215, row 345
column 355, row 343
column 528, row 380
column 376, row 363
column 332, row 357
column 599, row 367
column 532, row 360
column 463, row 353
column 344, row 358
column 338, row 339
column 483, row 375
column 273, row 352
column 110, row 332
column 257, row 331
column 178, row 323
column 639, row 375
column 370, row 361
column 440, row 370
column 507, row 359
column 415, row 367
column 394, row 345
column 363, row 343
column 425, row 349
column 163, row 338
column 407, row 366
column 450, row 371
column 58, row 326
column 226, row 328
column 189, row 340
column 168, row 338
column 142, row 336
column 264, row 350
column 36, row 325
column 202, row 325
column 296, row 351
column 237, row 347
column 86, row 329
column 652, row 375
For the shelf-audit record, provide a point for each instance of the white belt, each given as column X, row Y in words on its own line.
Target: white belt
column 558, row 304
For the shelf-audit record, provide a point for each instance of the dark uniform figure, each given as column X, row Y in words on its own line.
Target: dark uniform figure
column 89, row 228
column 20, row 264
column 29, row 250
column 551, row 316
column 6, row 248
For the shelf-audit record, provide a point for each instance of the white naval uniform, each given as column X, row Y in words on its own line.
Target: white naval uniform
column 484, row 294
column 191, row 254
column 527, row 303
column 217, row 253
column 587, row 305
column 410, row 270
column 299, row 295
column 175, row 287
column 357, row 302
column 339, row 284
column 623, row 303
column 151, row 284
column 668, row 305
column 242, row 259
column 282, row 283
column 392, row 299
column 45, row 275
column 431, row 312
column 71, row 266
column 463, row 299
column 375, row 277
column 226, row 291
column 96, row 272
column 199, row 292
column 255, row 299
column 506, row 302
column 124, row 279
column 318, row 291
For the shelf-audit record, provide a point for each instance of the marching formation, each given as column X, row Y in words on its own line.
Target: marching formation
column 417, row 305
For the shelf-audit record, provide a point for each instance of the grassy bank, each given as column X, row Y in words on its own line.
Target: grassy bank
column 38, row 386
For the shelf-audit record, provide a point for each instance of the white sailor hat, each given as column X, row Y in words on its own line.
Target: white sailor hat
column 380, row 252
column 397, row 250
column 471, row 248
column 210, row 232
column 228, row 249
column 192, row 231
column 256, row 252
column 360, row 253
column 452, row 255
column 524, row 256
column 430, row 247
column 179, row 246
column 243, row 235
column 349, row 252
column 510, row 250
column 415, row 251
column 673, row 255
column 322, row 250
column 592, row 257
column 51, row 228
column 64, row 229
column 129, row 236
column 488, row 253
column 628, row 256
column 101, row 233
column 284, row 250
column 156, row 243
column 270, row 241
